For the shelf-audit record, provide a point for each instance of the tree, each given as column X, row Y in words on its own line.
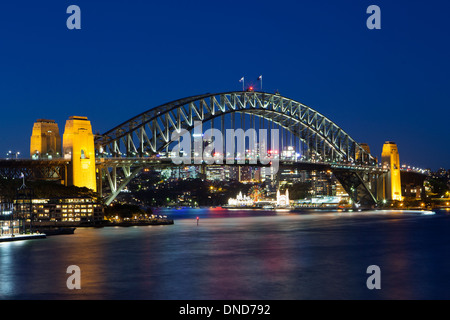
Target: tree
column 438, row 186
column 44, row 190
column 123, row 211
column 300, row 190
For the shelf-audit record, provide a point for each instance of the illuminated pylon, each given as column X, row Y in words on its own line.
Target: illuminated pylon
column 45, row 140
column 391, row 160
column 78, row 147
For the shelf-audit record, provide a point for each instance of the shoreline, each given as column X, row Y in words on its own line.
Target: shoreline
column 54, row 226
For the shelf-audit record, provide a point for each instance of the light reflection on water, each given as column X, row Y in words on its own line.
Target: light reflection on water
column 239, row 255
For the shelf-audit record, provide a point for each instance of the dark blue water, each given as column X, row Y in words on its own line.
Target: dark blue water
column 239, row 255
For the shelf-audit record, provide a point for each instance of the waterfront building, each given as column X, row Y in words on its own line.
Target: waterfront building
column 70, row 210
column 339, row 190
column 413, row 186
column 323, row 183
column 241, row 201
column 283, row 199
column 9, row 225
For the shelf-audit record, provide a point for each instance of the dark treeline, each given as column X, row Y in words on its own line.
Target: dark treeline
column 195, row 192
column 9, row 190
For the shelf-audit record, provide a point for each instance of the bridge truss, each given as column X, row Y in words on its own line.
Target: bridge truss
column 49, row 170
column 123, row 151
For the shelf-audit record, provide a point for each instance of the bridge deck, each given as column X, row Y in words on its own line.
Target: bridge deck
column 304, row 165
column 148, row 161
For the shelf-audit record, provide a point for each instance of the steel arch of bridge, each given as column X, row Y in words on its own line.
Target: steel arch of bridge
column 150, row 132
column 129, row 144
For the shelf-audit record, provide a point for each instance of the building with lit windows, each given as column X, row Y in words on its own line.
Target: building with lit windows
column 8, row 224
column 73, row 211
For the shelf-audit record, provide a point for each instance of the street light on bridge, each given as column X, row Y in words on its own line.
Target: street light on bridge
column 10, row 154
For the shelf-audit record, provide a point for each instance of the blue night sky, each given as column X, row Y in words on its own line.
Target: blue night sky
column 378, row 85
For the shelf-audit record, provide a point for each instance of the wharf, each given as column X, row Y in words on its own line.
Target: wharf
column 19, row 237
column 52, row 231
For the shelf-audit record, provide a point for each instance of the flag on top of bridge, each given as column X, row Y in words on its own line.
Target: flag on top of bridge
column 260, row 79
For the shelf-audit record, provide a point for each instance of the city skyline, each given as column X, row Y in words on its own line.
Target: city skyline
column 378, row 85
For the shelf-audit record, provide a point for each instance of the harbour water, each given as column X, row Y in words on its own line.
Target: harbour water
column 240, row 254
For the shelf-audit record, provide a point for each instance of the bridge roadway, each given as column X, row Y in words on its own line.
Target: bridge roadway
column 54, row 169
column 301, row 165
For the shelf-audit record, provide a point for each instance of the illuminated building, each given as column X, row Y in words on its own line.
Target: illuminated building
column 65, row 210
column 391, row 160
column 241, row 201
column 288, row 153
column 45, row 140
column 413, row 185
column 283, row 199
column 339, row 190
column 8, row 223
column 244, row 174
column 78, row 146
column 215, row 173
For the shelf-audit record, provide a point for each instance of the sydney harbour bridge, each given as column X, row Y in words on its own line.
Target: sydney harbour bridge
column 146, row 141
